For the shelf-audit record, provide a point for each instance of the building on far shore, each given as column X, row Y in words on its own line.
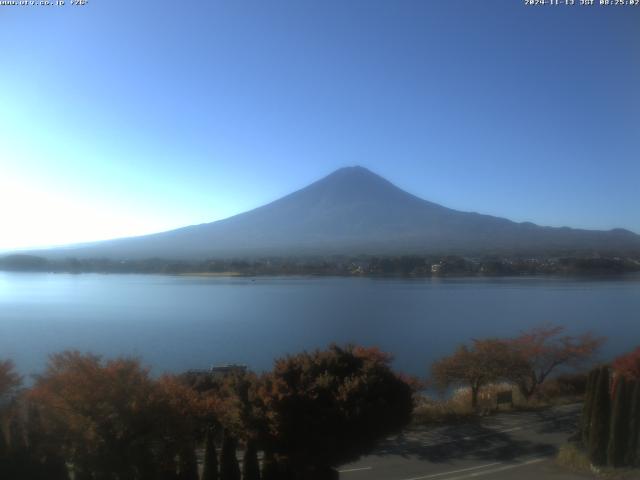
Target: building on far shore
column 220, row 371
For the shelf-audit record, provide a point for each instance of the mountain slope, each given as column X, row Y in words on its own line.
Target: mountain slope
column 354, row 211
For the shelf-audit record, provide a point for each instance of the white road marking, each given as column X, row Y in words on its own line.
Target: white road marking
column 497, row 470
column 434, row 475
column 349, row 470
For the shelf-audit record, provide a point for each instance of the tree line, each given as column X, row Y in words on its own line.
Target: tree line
column 93, row 419
column 88, row 418
column 404, row 265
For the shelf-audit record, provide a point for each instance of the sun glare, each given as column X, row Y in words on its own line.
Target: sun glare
column 35, row 216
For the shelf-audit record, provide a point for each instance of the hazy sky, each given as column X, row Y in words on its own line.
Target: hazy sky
column 126, row 117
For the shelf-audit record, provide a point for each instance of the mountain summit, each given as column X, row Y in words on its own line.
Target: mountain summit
column 355, row 211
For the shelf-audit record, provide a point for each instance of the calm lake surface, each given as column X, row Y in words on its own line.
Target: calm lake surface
column 177, row 323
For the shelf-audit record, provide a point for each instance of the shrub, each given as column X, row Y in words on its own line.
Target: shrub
column 329, row 407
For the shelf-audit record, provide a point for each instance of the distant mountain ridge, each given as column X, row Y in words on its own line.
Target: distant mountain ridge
column 354, row 211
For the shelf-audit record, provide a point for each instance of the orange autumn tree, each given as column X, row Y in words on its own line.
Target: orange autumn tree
column 9, row 383
column 628, row 365
column 477, row 365
column 111, row 419
column 328, row 407
column 239, row 416
column 233, row 395
column 189, row 414
column 545, row 349
column 243, row 417
column 9, row 379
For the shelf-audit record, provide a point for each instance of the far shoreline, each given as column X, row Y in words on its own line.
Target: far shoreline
column 461, row 276
column 572, row 264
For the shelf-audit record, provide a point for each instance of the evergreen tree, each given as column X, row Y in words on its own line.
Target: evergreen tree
column 600, row 418
column 631, row 457
column 269, row 466
column 82, row 475
column 210, row 471
column 4, row 448
column 285, row 471
column 229, row 468
column 250, row 467
column 167, row 466
column 17, row 441
column 147, row 467
column 55, row 468
column 588, row 406
column 4, row 454
column 618, row 438
column 188, row 463
column 45, row 460
column 20, row 462
column 34, row 429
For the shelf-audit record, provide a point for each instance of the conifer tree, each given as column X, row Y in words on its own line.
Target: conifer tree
column 188, row 463
column 147, row 467
column 55, row 467
column 167, row 466
column 17, row 441
column 631, row 457
column 229, row 468
column 285, row 472
column 4, row 454
column 250, row 467
column 269, row 466
column 210, row 470
column 4, row 446
column 83, row 475
column 20, row 463
column 588, row 405
column 618, row 439
column 600, row 418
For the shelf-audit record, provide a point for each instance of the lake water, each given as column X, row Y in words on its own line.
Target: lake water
column 177, row 323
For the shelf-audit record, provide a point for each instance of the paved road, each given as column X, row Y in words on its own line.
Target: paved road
column 506, row 446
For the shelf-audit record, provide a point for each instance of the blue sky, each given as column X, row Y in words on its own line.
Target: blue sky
column 121, row 118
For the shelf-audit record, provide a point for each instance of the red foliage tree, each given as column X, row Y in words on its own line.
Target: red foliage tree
column 110, row 417
column 9, row 379
column 628, row 365
column 544, row 349
column 188, row 414
column 483, row 362
column 328, row 407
